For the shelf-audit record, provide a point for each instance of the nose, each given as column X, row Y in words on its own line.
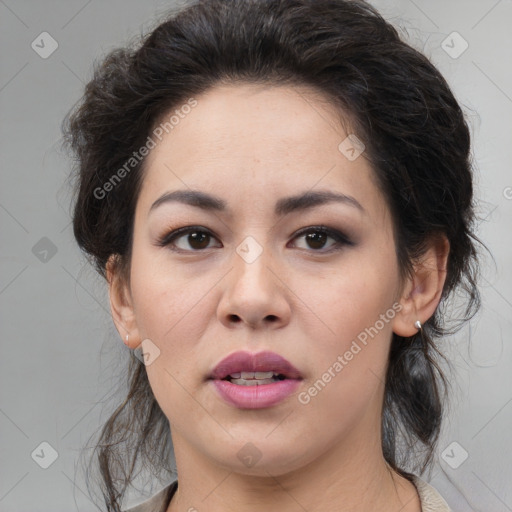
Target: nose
column 254, row 295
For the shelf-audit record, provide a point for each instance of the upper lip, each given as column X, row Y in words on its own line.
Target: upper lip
column 249, row 362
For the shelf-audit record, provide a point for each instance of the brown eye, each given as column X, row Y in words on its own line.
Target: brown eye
column 188, row 239
column 316, row 238
column 198, row 240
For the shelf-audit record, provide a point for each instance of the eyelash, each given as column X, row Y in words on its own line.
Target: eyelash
column 340, row 239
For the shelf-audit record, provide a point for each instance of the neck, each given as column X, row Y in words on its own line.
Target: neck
column 349, row 477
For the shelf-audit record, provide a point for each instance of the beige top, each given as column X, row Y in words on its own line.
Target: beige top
column 431, row 500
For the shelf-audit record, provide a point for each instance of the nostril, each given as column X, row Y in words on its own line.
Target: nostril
column 271, row 318
column 234, row 318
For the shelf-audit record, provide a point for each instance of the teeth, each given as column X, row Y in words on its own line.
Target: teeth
column 253, row 378
column 252, row 375
column 252, row 382
column 263, row 375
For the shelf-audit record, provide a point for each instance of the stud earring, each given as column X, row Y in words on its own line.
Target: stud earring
column 126, row 342
column 417, row 324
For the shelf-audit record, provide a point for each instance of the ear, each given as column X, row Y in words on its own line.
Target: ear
column 121, row 306
column 422, row 291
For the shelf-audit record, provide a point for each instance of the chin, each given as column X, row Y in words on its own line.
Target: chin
column 262, row 457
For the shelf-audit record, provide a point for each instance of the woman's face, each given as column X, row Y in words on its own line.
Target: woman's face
column 255, row 274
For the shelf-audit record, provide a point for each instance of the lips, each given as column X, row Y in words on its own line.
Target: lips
column 254, row 381
column 266, row 361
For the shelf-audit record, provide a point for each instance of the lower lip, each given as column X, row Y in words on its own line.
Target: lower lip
column 256, row 397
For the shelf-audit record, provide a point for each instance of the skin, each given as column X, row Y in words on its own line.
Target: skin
column 252, row 145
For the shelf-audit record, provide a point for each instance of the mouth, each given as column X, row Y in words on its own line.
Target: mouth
column 249, row 369
column 254, row 381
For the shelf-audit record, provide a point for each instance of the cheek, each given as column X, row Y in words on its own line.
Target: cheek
column 349, row 297
column 355, row 306
column 349, row 374
column 172, row 312
column 168, row 304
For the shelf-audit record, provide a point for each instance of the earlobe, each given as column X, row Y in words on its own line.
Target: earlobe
column 121, row 306
column 423, row 290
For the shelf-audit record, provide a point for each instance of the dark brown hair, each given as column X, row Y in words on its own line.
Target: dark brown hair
column 400, row 106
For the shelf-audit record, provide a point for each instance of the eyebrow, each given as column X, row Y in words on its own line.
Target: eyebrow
column 284, row 206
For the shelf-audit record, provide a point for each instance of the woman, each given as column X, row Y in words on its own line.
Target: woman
column 279, row 196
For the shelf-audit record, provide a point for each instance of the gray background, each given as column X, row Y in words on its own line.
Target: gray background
column 62, row 360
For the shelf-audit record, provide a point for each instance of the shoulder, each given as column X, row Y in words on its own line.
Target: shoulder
column 158, row 502
column 431, row 500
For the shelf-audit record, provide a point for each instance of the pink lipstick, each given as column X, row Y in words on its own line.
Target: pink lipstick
column 255, row 381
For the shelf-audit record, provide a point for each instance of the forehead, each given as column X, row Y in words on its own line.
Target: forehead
column 249, row 139
column 248, row 118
